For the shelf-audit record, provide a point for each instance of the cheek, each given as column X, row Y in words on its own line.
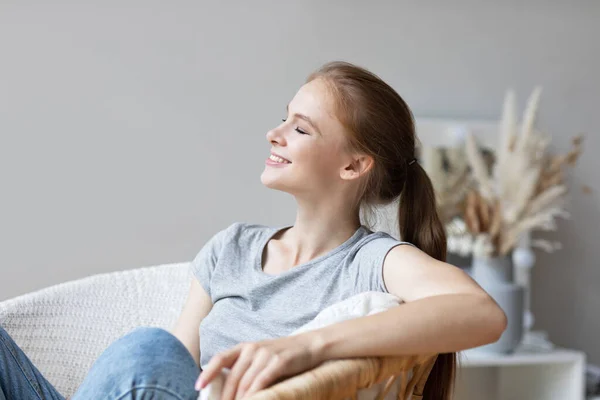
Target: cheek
column 323, row 162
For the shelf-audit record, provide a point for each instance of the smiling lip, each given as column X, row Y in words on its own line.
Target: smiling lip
column 273, row 163
column 277, row 155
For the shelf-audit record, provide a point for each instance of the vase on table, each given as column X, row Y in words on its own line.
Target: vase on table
column 496, row 276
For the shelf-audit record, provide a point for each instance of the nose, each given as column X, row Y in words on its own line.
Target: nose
column 276, row 136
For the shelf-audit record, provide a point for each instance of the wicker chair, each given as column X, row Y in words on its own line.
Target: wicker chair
column 64, row 328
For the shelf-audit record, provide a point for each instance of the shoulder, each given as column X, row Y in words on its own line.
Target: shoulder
column 244, row 232
column 237, row 237
column 372, row 248
column 367, row 258
column 378, row 242
column 241, row 229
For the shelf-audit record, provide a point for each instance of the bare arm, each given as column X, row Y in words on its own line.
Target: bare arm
column 445, row 311
column 196, row 307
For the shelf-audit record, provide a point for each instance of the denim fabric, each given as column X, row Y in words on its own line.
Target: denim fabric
column 19, row 378
column 145, row 364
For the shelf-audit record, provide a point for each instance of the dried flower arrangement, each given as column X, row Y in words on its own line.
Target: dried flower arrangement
column 526, row 190
column 449, row 171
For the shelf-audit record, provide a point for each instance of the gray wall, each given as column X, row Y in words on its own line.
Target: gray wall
column 131, row 132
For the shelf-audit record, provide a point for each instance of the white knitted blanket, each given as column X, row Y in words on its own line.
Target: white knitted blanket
column 64, row 328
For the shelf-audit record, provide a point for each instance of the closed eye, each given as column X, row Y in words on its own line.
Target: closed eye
column 297, row 129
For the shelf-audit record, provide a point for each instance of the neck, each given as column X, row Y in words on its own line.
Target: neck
column 319, row 228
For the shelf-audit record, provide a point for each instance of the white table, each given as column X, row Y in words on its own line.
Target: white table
column 548, row 375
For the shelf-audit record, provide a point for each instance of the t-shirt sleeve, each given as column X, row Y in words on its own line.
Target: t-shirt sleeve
column 205, row 262
column 369, row 263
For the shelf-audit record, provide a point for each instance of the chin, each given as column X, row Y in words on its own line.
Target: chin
column 273, row 183
column 269, row 182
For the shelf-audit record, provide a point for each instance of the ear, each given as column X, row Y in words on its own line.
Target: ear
column 359, row 165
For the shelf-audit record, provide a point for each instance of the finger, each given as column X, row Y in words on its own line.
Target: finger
column 261, row 360
column 233, row 379
column 216, row 364
column 267, row 376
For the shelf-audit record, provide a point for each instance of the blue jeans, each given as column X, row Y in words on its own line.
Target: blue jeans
column 147, row 363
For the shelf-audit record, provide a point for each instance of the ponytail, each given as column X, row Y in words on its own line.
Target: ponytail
column 418, row 217
column 420, row 225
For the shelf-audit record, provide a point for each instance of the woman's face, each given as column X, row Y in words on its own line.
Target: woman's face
column 308, row 149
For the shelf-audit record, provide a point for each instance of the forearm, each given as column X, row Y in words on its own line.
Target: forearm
column 438, row 324
column 190, row 339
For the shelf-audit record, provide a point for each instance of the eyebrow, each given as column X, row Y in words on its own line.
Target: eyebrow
column 306, row 118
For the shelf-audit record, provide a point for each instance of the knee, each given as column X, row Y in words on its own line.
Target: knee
column 144, row 358
column 145, row 352
column 144, row 336
column 149, row 347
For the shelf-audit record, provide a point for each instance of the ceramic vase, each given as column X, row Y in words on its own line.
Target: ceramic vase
column 496, row 276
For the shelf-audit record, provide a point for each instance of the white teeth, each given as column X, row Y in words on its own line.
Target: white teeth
column 278, row 159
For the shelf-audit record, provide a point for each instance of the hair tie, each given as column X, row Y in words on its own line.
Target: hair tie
column 411, row 162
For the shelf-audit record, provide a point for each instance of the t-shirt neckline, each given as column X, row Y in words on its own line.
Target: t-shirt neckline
column 274, row 231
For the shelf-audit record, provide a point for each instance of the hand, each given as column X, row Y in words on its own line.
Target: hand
column 257, row 365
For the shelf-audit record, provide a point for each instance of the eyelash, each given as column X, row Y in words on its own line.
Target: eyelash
column 300, row 131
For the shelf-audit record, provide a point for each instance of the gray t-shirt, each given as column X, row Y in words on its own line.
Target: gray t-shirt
column 250, row 305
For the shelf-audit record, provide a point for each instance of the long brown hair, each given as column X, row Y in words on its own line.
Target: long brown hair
column 381, row 125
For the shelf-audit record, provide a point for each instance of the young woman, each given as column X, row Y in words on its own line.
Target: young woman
column 347, row 142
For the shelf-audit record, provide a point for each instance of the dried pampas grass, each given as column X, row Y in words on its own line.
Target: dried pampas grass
column 448, row 170
column 526, row 189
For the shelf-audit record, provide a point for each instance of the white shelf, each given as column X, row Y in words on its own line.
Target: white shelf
column 557, row 356
column 557, row 374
